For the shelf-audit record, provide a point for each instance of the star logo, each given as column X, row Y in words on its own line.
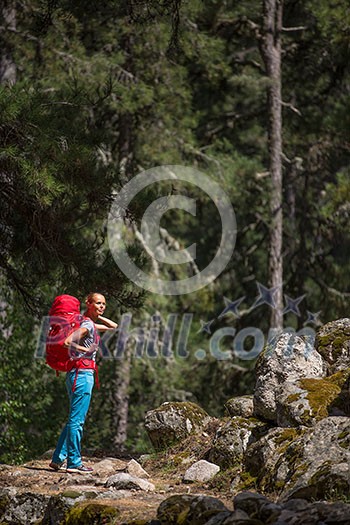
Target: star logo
column 266, row 296
column 231, row 307
column 313, row 318
column 292, row 305
column 205, row 326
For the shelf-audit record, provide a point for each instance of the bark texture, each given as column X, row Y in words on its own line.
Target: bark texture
column 7, row 23
column 271, row 52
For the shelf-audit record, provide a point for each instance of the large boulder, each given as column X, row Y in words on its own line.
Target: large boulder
column 91, row 514
column 263, row 457
column 311, row 399
column 174, row 421
column 303, row 462
column 288, row 357
column 295, row 511
column 232, row 439
column 333, row 344
column 189, row 510
column 257, row 506
column 16, row 507
column 324, row 459
column 173, row 507
column 249, row 509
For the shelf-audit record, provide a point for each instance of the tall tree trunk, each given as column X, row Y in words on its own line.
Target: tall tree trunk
column 7, row 22
column 120, row 400
column 121, row 378
column 271, row 52
column 121, row 381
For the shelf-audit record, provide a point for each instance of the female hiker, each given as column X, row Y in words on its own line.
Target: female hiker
column 83, row 343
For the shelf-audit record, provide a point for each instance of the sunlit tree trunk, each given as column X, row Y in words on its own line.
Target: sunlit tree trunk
column 271, row 51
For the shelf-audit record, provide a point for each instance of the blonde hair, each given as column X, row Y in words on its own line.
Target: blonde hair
column 90, row 296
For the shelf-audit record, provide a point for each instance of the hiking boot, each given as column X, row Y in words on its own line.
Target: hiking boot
column 56, row 466
column 80, row 470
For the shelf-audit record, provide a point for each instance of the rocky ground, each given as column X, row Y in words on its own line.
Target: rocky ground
column 33, row 484
column 121, row 492
column 280, row 456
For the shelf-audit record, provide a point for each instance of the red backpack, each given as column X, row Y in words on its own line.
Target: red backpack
column 65, row 318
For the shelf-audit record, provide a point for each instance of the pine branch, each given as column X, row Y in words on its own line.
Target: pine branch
column 174, row 244
column 297, row 28
column 293, row 108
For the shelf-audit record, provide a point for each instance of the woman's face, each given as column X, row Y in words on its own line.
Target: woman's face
column 96, row 306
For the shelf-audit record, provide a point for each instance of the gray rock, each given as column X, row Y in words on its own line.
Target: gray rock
column 222, row 518
column 271, row 459
column 22, row 508
column 307, row 516
column 242, row 406
column 170, row 509
column 201, row 471
column 237, row 517
column 172, row 422
column 333, row 344
column 128, row 482
column 231, row 440
column 321, row 464
column 337, row 513
column 134, row 469
column 143, row 458
column 188, row 509
column 107, row 467
column 250, row 502
column 309, row 463
column 292, row 405
column 202, row 508
column 287, row 358
column 56, row 509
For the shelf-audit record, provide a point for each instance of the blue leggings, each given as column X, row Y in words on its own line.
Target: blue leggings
column 68, row 446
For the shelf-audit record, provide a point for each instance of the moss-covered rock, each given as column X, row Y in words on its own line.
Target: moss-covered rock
column 328, row 482
column 288, row 358
column 203, row 508
column 57, row 508
column 174, row 510
column 301, row 462
column 22, row 507
column 92, row 514
column 242, row 406
column 73, row 494
column 174, row 421
column 320, row 465
column 333, row 344
column 232, row 439
column 184, row 509
column 274, row 458
column 4, row 502
column 309, row 400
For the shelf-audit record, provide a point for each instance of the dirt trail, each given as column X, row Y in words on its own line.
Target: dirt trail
column 37, row 478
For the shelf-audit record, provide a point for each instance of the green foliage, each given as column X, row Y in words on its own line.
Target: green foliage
column 28, row 395
column 102, row 94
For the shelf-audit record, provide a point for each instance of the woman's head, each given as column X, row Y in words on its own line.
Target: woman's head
column 96, row 305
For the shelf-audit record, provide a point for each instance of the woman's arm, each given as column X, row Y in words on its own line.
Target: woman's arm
column 73, row 339
column 107, row 324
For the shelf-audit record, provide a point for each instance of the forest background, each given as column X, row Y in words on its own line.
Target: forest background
column 93, row 93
